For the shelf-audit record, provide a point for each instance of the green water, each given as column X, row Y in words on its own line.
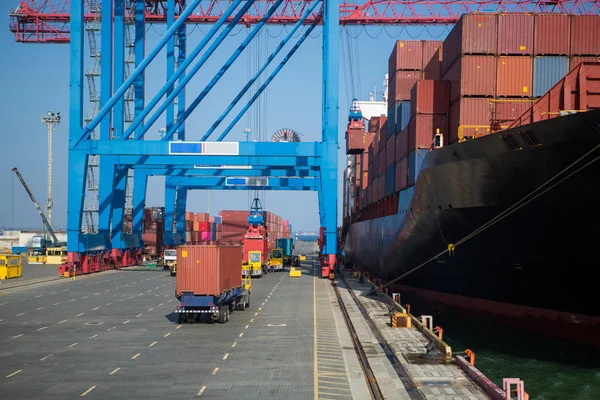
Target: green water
column 551, row 370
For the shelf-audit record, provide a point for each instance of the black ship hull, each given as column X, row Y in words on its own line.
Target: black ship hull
column 537, row 261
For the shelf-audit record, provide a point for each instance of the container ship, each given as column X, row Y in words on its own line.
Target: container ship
column 478, row 186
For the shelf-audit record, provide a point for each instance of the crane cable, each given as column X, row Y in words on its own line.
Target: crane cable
column 519, row 204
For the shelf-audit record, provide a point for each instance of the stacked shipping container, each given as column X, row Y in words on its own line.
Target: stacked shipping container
column 234, row 225
column 488, row 72
column 153, row 231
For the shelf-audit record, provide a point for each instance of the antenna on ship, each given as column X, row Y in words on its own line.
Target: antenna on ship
column 385, row 88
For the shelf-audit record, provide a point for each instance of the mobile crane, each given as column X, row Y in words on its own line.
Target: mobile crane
column 55, row 253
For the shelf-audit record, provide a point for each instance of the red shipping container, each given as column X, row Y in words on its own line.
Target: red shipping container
column 202, row 217
column 208, row 270
column 381, row 186
column 189, row 216
column 357, row 140
column 400, row 85
column 196, row 236
column 472, row 76
column 471, row 116
column 431, row 48
column 585, row 35
column 390, row 148
column 149, row 238
column 375, row 190
column 430, row 97
column 401, row 145
column 423, row 127
column 575, row 61
column 382, row 132
column 506, row 111
column 433, row 68
column 551, row 34
column 472, row 34
column 402, row 174
column 514, row 77
column 515, row 34
column 204, row 226
column 406, row 55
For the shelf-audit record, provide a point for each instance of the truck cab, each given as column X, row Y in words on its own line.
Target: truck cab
column 253, row 267
column 276, row 261
column 170, row 260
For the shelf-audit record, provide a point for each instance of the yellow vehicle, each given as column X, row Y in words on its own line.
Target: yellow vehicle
column 253, row 267
column 10, row 266
column 56, row 255
column 36, row 257
column 170, row 260
column 276, row 261
column 296, row 268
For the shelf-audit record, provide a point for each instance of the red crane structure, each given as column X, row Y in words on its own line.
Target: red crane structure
column 47, row 21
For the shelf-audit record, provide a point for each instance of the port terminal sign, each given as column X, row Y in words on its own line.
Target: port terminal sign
column 205, row 148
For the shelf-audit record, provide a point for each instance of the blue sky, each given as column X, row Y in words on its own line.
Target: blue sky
column 35, row 79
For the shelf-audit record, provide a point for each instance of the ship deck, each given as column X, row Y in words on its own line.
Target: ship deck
column 114, row 335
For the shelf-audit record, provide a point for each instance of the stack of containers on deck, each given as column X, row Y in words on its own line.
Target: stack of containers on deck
column 234, row 225
column 199, row 229
column 470, row 63
column 584, row 43
column 409, row 62
column 153, row 231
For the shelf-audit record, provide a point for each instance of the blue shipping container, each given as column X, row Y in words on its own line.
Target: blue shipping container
column 390, row 180
column 403, row 115
column 547, row 71
column 217, row 219
column 285, row 244
column 405, row 198
column 415, row 161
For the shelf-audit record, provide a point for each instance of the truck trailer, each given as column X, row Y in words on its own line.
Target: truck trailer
column 209, row 283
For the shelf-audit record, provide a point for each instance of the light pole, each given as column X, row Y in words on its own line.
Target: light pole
column 52, row 120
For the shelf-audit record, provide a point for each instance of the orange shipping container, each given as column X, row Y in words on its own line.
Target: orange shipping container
column 515, row 75
column 575, row 61
column 208, row 270
column 402, row 174
column 406, row 55
column 551, row 34
column 433, row 69
column 468, row 118
column 585, row 35
column 515, row 34
column 430, row 97
column 400, row 85
column 472, row 76
column 422, row 128
column 431, row 49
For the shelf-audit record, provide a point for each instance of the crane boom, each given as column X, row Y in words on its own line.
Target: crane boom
column 35, row 203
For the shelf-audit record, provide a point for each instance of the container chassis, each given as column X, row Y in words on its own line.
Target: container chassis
column 211, row 308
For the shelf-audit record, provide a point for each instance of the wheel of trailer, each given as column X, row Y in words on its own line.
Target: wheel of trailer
column 248, row 302
column 227, row 312
column 222, row 315
column 180, row 318
column 242, row 306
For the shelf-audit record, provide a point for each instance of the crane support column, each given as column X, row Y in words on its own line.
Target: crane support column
column 180, row 208
column 181, row 54
column 329, row 166
column 169, row 212
column 140, row 183
column 170, row 61
column 77, row 158
column 140, row 52
column 118, row 204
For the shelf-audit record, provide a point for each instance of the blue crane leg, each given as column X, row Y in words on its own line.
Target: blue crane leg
column 266, row 83
column 85, row 133
column 169, row 212
column 260, row 71
column 170, row 61
column 140, row 50
column 119, row 67
column 329, row 167
column 140, row 183
column 118, row 204
column 139, row 133
column 180, row 207
column 223, row 69
column 77, row 159
column 105, row 193
column 181, row 54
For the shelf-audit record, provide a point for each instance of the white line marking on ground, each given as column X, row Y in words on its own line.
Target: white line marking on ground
column 94, row 309
column 241, row 334
column 63, row 321
column 91, row 337
column 73, row 345
column 49, row 355
column 225, row 356
column 136, row 356
column 80, row 314
column 87, row 391
column 234, row 344
column 215, row 371
column 14, row 373
column 202, row 389
column 152, row 344
column 114, row 371
column 167, row 334
column 126, row 321
column 42, row 328
column 17, row 336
